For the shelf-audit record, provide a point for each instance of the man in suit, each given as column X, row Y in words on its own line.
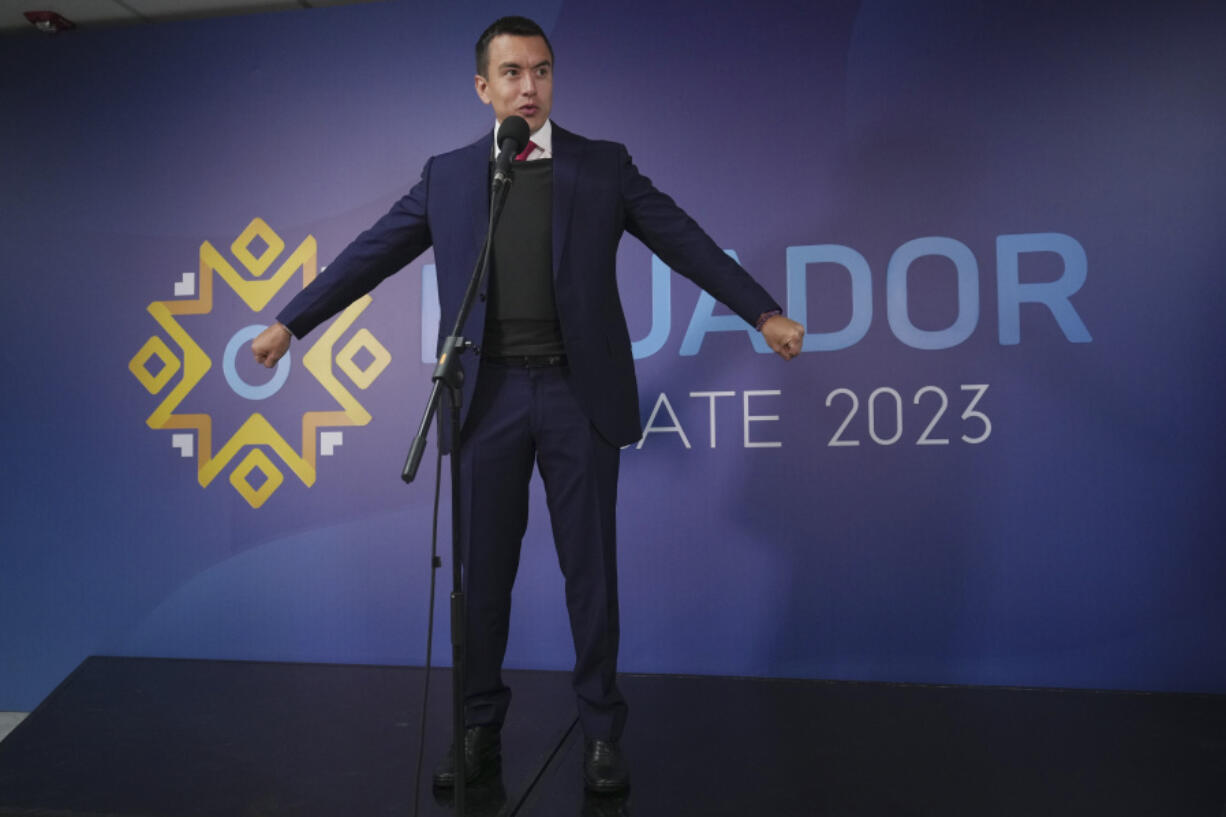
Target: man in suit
column 555, row 385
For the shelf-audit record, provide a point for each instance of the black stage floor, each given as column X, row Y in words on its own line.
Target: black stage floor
column 142, row 737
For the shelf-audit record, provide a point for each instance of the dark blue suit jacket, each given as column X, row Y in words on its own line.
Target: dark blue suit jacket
column 597, row 195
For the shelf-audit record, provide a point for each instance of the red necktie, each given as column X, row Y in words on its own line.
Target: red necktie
column 523, row 154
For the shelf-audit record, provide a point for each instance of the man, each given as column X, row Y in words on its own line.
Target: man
column 555, row 385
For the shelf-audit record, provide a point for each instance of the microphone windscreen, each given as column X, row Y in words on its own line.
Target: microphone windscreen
column 514, row 128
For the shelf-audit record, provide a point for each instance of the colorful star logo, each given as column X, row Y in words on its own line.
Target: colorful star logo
column 360, row 359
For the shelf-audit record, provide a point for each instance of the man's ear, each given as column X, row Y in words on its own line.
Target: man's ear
column 482, row 86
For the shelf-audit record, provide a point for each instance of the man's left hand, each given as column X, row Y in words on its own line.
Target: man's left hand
column 784, row 336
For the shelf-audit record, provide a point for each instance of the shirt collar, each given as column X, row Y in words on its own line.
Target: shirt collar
column 543, row 139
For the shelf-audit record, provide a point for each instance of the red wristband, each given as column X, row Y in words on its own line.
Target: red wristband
column 766, row 316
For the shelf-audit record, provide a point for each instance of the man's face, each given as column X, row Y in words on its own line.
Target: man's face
column 519, row 79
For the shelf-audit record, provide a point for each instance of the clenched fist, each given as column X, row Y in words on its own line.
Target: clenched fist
column 784, row 336
column 271, row 345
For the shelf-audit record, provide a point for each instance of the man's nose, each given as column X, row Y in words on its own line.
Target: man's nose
column 528, row 86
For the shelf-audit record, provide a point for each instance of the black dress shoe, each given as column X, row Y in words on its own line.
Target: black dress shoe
column 604, row 767
column 482, row 756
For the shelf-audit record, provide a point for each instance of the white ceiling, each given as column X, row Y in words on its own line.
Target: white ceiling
column 99, row 13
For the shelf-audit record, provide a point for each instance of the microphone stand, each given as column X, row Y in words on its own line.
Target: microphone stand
column 449, row 375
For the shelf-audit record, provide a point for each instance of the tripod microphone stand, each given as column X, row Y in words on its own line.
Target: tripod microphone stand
column 448, row 376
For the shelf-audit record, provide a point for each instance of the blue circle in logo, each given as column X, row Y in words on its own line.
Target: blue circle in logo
column 242, row 338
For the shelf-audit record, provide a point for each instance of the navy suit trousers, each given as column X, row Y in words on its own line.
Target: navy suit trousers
column 520, row 417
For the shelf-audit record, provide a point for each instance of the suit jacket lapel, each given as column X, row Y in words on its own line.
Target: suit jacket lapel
column 566, row 160
column 476, row 186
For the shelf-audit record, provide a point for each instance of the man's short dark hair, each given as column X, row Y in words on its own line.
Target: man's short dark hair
column 518, row 26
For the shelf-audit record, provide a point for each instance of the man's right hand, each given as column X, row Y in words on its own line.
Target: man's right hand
column 271, row 345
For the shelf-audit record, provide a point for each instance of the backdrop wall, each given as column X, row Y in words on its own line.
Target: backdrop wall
column 998, row 460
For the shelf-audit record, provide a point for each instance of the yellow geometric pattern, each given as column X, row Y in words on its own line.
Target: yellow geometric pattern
column 242, row 247
column 381, row 357
column 257, row 294
column 155, row 347
column 256, row 460
column 256, row 433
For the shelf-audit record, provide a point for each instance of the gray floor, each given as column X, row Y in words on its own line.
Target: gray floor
column 9, row 721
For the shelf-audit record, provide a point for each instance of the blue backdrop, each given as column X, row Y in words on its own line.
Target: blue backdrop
column 997, row 461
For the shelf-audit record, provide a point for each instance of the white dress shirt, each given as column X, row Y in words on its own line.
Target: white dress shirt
column 543, row 139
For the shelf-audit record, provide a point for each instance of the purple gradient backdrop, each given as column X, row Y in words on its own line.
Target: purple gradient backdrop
column 1080, row 545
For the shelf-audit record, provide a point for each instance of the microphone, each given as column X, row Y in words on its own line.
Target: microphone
column 512, row 137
